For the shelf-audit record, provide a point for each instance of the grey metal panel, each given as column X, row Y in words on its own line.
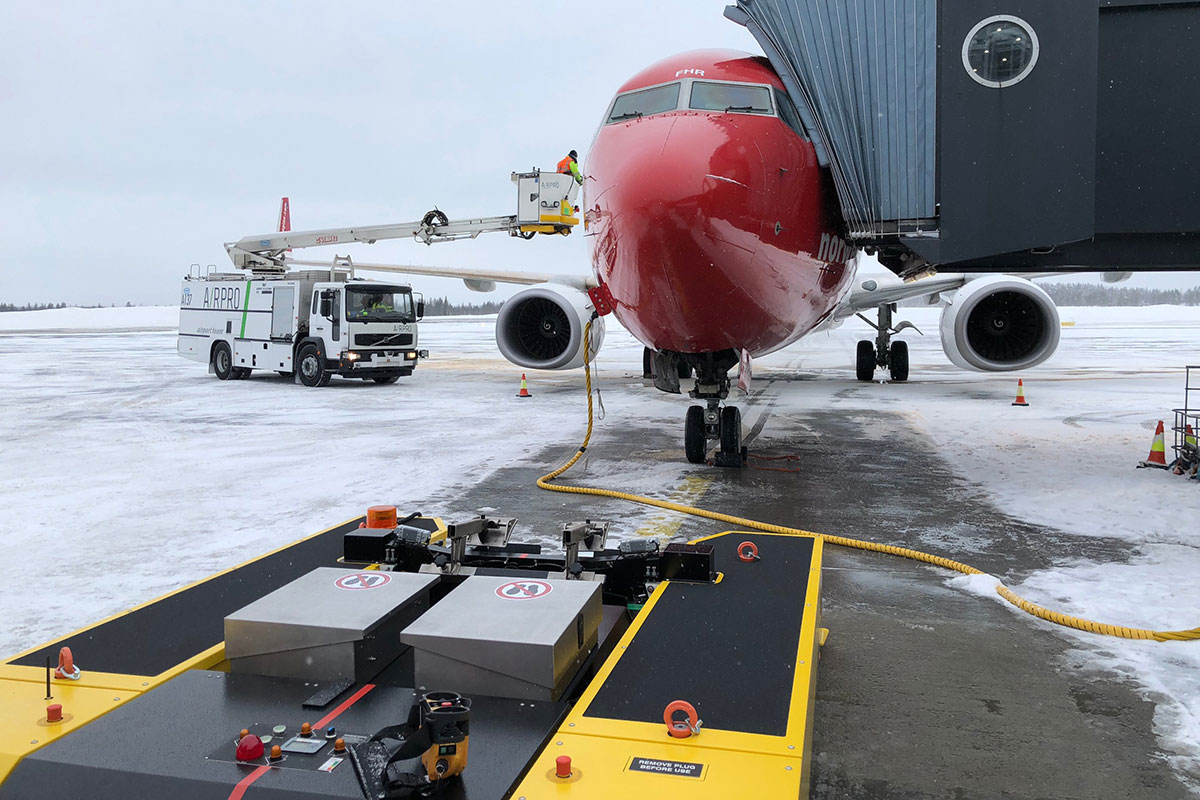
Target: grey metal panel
column 1017, row 165
column 863, row 74
column 534, row 639
column 312, row 611
column 1148, row 124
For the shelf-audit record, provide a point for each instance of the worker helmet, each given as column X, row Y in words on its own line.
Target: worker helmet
column 574, row 155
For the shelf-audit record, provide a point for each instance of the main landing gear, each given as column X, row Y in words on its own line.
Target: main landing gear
column 712, row 421
column 883, row 352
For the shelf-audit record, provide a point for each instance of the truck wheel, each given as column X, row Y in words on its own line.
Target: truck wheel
column 310, row 367
column 241, row 373
column 388, row 380
column 222, row 361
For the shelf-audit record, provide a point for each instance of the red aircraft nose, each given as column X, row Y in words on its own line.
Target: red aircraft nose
column 677, row 207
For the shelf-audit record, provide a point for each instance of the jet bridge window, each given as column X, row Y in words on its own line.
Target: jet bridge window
column 1000, row 51
column 645, row 102
column 737, row 97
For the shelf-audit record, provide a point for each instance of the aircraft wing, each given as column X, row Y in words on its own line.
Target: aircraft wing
column 476, row 279
column 872, row 292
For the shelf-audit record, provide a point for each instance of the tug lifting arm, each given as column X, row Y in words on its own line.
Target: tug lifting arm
column 545, row 204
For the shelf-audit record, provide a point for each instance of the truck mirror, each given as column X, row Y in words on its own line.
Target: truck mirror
column 420, row 309
column 326, row 306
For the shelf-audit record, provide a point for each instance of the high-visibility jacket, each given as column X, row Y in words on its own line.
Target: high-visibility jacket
column 568, row 166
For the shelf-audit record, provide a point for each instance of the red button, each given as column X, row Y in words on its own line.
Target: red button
column 562, row 767
column 54, row 713
column 250, row 748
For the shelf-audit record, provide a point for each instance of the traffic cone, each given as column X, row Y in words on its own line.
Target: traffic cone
column 1189, row 435
column 524, row 388
column 1020, row 401
column 1158, row 450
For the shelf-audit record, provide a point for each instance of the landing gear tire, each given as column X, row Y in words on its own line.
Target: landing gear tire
column 222, row 361
column 898, row 361
column 647, row 362
column 864, row 363
column 731, row 430
column 310, row 368
column 387, row 380
column 695, row 440
column 684, row 369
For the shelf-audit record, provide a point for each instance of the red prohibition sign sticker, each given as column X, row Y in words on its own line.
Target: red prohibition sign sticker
column 363, row 580
column 523, row 590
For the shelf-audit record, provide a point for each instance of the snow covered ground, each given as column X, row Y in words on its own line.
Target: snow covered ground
column 128, row 472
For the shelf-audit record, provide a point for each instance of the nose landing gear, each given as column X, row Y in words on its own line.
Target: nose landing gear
column 713, row 421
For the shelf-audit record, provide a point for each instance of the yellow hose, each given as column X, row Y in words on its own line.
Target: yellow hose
column 545, row 482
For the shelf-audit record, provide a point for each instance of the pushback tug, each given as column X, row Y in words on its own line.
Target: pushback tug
column 318, row 323
column 392, row 658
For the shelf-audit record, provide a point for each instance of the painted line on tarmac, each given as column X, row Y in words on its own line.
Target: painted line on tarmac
column 666, row 525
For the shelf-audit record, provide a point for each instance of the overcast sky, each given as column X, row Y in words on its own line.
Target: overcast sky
column 138, row 137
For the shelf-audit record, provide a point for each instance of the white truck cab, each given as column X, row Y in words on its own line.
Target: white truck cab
column 312, row 324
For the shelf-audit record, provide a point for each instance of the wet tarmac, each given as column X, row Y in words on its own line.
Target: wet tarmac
column 924, row 691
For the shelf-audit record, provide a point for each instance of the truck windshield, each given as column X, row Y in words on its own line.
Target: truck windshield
column 379, row 304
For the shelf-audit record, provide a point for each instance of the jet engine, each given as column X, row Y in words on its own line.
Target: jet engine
column 542, row 327
column 1000, row 323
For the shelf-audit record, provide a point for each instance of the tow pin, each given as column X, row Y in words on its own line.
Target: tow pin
column 748, row 551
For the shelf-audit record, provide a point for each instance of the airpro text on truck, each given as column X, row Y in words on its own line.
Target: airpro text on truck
column 313, row 324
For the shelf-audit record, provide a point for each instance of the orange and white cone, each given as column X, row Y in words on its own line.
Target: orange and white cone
column 1020, row 401
column 524, row 388
column 1158, row 450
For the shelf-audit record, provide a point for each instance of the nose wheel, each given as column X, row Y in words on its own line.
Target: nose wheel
column 722, row 424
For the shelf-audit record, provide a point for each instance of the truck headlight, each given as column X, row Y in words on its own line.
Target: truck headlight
column 352, row 356
column 410, row 355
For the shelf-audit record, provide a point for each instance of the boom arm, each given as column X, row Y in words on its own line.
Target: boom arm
column 540, row 200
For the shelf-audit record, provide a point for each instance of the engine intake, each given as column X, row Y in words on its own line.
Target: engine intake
column 1000, row 323
column 542, row 327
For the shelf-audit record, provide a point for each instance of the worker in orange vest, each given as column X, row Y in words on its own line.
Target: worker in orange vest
column 570, row 166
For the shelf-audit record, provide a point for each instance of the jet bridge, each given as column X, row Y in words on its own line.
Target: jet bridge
column 1000, row 135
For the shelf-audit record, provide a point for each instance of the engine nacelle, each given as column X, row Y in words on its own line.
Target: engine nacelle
column 542, row 327
column 1000, row 323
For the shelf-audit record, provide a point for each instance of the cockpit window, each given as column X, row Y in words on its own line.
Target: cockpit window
column 645, row 102
column 788, row 113
column 733, row 97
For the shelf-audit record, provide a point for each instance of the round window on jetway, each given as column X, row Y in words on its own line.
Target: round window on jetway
column 1000, row 51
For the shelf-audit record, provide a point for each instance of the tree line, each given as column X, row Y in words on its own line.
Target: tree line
column 1098, row 294
column 48, row 306
column 442, row 307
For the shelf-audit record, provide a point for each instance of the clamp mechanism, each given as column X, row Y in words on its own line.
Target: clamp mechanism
column 592, row 535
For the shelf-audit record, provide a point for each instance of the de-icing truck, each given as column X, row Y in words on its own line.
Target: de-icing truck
column 313, row 324
column 319, row 323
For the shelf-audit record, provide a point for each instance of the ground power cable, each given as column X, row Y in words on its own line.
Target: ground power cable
column 1058, row 618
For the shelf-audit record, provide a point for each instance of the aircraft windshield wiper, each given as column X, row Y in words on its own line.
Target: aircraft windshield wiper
column 753, row 109
column 626, row 115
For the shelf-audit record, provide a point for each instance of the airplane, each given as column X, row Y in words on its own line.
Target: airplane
column 718, row 239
